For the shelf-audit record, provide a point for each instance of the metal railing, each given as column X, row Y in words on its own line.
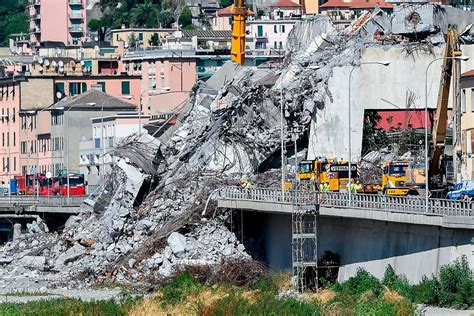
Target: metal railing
column 53, row 201
column 402, row 204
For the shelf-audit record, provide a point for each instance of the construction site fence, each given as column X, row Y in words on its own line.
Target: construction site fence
column 403, row 204
column 52, row 201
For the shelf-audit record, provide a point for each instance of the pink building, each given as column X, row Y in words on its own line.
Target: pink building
column 9, row 122
column 167, row 78
column 57, row 21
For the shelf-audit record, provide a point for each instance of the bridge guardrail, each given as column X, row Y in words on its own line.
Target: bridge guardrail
column 54, row 201
column 403, row 204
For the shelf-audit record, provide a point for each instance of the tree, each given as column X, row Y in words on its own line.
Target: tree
column 186, row 17
column 166, row 19
column 94, row 25
column 144, row 15
column 132, row 40
column 154, row 39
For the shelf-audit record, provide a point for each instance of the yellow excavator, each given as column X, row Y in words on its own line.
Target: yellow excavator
column 407, row 177
column 239, row 13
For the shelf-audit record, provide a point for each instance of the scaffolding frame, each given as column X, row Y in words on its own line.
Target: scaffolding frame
column 305, row 245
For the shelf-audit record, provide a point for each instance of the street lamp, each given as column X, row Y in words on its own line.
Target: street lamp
column 463, row 58
column 383, row 63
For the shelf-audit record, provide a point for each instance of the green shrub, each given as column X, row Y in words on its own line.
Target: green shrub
column 179, row 287
column 427, row 291
column 398, row 283
column 359, row 284
column 456, row 284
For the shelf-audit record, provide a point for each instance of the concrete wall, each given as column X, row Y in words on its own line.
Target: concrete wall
column 374, row 87
column 413, row 250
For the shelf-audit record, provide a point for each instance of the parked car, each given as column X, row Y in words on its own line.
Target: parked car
column 461, row 190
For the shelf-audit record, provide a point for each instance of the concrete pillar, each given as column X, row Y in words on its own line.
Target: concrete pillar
column 16, row 231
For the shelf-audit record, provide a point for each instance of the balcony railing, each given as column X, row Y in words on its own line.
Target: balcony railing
column 34, row 2
column 76, row 15
column 75, row 29
column 75, row 2
column 35, row 30
column 35, row 16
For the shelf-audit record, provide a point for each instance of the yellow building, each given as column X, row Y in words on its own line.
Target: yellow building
column 467, row 125
column 142, row 36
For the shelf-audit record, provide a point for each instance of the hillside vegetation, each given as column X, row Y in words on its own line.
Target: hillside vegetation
column 13, row 19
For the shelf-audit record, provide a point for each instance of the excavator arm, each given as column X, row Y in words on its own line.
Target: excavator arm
column 238, row 32
column 441, row 120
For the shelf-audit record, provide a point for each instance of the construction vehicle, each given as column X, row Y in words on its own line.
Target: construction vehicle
column 408, row 177
column 239, row 13
column 403, row 177
column 332, row 171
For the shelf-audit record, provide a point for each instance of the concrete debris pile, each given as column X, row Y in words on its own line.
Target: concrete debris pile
column 147, row 221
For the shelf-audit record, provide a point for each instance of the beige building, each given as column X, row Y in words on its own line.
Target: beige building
column 142, row 36
column 222, row 21
column 467, row 125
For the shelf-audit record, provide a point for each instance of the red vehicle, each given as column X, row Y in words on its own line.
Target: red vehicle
column 77, row 186
column 48, row 187
column 25, row 184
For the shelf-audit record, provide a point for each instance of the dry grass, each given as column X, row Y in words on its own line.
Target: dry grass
column 200, row 303
column 392, row 296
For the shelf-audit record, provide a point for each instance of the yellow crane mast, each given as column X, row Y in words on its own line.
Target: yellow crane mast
column 238, row 32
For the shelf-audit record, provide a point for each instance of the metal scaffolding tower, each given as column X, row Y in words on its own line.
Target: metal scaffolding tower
column 305, row 246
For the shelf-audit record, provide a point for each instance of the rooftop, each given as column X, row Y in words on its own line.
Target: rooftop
column 207, row 34
column 469, row 73
column 357, row 4
column 285, row 4
column 227, row 11
column 93, row 100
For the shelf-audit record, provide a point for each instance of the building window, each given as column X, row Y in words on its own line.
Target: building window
column 472, row 99
column 84, row 87
column 97, row 142
column 140, row 36
column 282, row 27
column 275, row 29
column 281, row 45
column 260, row 30
column 102, row 85
column 14, row 164
column 275, row 45
column 74, row 88
column 23, row 147
column 125, row 87
column 463, row 101
column 14, row 138
column 60, row 88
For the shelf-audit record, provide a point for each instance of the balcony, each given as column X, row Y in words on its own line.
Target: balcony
column 76, row 2
column 76, row 15
column 36, row 16
column 75, row 29
column 34, row 2
column 261, row 35
column 35, row 29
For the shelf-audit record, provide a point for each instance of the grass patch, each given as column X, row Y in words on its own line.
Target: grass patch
column 65, row 307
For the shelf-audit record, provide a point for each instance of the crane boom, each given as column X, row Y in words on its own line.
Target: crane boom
column 238, row 32
column 441, row 120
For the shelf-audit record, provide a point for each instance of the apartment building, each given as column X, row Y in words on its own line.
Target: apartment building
column 57, row 21
column 467, row 125
column 168, row 76
column 222, row 20
column 112, row 129
column 9, row 125
column 344, row 12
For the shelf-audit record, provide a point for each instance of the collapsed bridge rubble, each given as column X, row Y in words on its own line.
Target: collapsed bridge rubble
column 146, row 221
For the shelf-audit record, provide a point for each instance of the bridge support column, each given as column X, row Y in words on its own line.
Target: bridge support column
column 16, row 231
